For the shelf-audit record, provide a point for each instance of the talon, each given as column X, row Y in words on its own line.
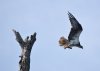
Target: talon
column 70, row 48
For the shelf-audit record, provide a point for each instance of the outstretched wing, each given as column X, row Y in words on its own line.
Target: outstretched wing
column 76, row 28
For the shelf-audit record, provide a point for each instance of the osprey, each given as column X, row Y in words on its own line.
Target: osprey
column 73, row 38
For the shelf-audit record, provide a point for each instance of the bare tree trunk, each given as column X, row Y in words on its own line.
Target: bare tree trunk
column 26, row 46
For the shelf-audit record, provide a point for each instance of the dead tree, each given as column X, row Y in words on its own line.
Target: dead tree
column 26, row 46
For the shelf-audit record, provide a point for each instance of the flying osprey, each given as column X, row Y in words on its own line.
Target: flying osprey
column 73, row 38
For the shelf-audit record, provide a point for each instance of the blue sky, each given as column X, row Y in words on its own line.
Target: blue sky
column 50, row 20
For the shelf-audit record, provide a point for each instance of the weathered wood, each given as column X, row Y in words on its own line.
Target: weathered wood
column 26, row 46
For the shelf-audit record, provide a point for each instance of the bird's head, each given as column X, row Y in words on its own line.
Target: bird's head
column 64, row 42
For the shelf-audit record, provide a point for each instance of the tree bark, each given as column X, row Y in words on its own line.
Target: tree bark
column 26, row 47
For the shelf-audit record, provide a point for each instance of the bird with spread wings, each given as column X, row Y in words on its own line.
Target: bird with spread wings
column 73, row 38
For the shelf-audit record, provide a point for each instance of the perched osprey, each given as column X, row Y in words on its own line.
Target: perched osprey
column 73, row 38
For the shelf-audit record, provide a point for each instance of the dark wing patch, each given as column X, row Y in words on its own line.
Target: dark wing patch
column 76, row 28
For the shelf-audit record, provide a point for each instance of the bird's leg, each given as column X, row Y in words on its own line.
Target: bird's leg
column 81, row 47
column 70, row 46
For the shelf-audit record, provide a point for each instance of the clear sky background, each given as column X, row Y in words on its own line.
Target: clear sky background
column 50, row 20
